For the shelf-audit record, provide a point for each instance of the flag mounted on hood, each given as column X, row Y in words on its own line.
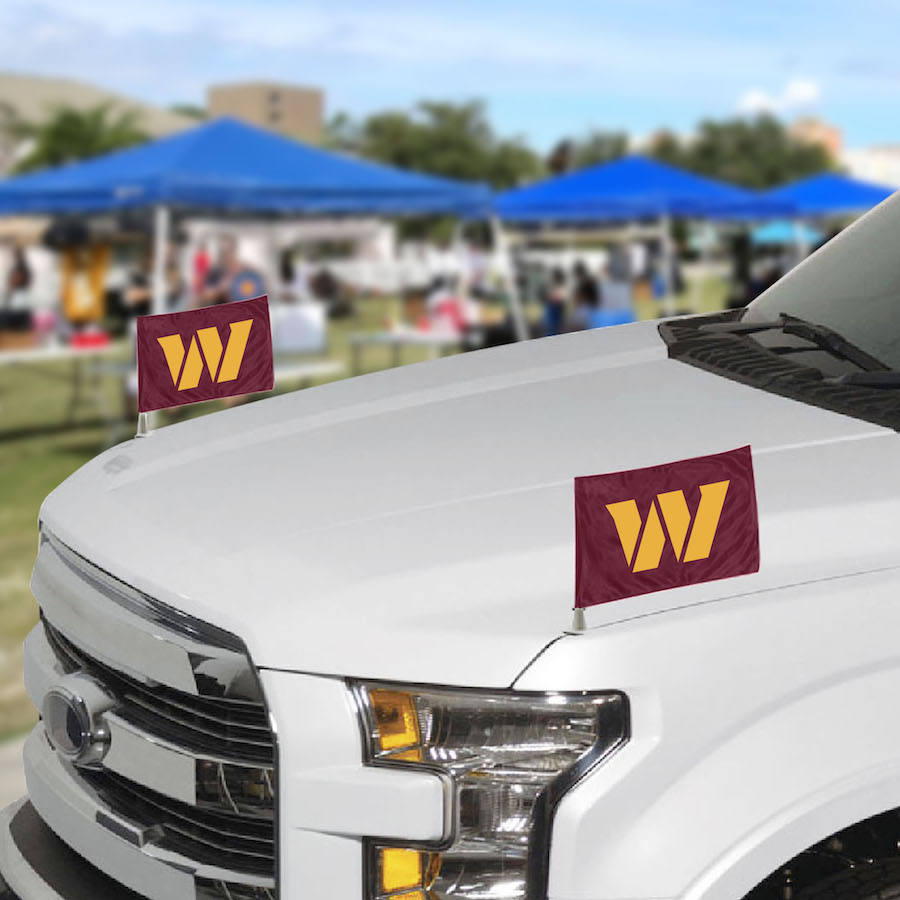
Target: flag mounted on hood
column 204, row 354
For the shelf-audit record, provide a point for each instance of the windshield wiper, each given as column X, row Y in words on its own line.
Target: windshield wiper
column 820, row 335
column 889, row 378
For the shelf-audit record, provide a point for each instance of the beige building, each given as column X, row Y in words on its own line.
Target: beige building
column 291, row 109
column 810, row 130
column 34, row 98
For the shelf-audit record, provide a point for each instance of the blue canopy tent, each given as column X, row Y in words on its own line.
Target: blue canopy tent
column 783, row 231
column 631, row 188
column 830, row 194
column 227, row 165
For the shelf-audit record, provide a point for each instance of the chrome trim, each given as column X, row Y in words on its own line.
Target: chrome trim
column 614, row 716
column 235, row 730
column 143, row 605
column 129, row 631
column 78, row 700
column 110, row 842
column 365, row 718
column 187, row 775
column 133, row 752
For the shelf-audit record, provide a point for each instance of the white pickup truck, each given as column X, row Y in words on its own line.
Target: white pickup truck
column 323, row 646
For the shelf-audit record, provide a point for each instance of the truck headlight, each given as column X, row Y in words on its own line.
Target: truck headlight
column 510, row 757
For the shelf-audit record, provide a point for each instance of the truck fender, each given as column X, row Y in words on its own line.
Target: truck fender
column 661, row 819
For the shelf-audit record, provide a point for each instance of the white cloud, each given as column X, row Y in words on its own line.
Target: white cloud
column 544, row 70
column 798, row 95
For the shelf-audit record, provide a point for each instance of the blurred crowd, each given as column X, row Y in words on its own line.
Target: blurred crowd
column 75, row 281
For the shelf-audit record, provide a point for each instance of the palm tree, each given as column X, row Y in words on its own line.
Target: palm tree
column 70, row 134
column 13, row 130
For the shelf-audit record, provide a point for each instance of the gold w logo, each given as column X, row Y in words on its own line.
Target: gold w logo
column 677, row 516
column 190, row 366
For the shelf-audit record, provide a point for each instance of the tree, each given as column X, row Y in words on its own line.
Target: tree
column 665, row 146
column 598, row 147
column 513, row 163
column 755, row 153
column 593, row 149
column 561, row 157
column 342, row 133
column 13, row 130
column 450, row 139
column 189, row 111
column 70, row 134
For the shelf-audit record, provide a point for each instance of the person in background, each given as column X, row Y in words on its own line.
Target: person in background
column 295, row 274
column 638, row 259
column 447, row 309
column 477, row 271
column 201, row 264
column 18, row 281
column 230, row 279
column 137, row 298
column 300, row 284
column 764, row 277
column 587, row 297
column 555, row 303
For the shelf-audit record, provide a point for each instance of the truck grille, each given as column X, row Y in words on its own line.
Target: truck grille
column 225, row 726
column 241, row 843
column 226, row 834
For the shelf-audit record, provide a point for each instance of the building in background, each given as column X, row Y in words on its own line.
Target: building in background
column 291, row 109
column 33, row 98
column 810, row 130
column 879, row 164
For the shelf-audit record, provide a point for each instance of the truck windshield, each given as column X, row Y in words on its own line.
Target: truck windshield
column 851, row 286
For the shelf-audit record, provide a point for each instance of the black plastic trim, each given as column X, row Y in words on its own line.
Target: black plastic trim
column 58, row 865
column 740, row 359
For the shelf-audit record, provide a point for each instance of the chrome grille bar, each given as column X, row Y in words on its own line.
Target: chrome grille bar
column 240, row 729
column 186, row 700
column 241, row 843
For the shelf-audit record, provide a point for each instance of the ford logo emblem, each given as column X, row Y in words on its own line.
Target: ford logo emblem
column 72, row 712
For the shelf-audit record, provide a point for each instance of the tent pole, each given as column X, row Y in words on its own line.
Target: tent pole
column 161, row 220
column 801, row 247
column 696, row 285
column 458, row 246
column 517, row 314
column 668, row 259
column 709, row 236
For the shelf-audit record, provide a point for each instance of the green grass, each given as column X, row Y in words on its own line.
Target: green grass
column 38, row 450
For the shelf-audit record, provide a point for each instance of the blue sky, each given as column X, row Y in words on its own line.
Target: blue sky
column 546, row 69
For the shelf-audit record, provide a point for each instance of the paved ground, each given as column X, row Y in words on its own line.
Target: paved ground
column 12, row 779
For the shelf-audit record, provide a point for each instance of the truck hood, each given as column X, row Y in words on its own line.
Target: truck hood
column 417, row 524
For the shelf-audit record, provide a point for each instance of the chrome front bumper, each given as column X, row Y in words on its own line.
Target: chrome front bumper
column 180, row 803
column 98, row 833
column 45, row 843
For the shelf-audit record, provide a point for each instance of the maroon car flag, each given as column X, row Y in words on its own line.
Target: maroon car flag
column 204, row 354
column 666, row 526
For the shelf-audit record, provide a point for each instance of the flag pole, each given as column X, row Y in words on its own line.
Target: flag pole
column 161, row 223
column 578, row 623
